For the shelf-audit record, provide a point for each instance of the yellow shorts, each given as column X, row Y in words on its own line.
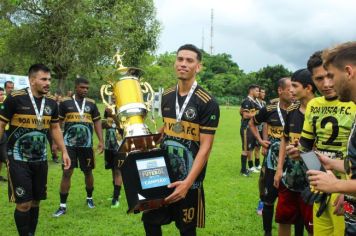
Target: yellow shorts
column 328, row 223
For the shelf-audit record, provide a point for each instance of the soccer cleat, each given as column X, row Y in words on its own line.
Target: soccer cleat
column 253, row 170
column 60, row 211
column 90, row 203
column 260, row 208
column 115, row 203
column 259, row 167
column 245, row 173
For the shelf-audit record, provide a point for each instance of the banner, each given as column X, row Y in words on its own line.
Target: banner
column 18, row 80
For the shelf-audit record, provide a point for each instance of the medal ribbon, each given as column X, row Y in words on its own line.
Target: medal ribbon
column 179, row 113
column 280, row 115
column 39, row 114
column 80, row 111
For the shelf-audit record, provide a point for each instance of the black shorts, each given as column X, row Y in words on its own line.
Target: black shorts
column 187, row 213
column 113, row 159
column 3, row 152
column 247, row 139
column 268, row 192
column 83, row 155
column 27, row 180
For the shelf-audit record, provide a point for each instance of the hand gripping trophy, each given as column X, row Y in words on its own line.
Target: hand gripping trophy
column 146, row 169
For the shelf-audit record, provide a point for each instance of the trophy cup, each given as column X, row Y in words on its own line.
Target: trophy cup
column 146, row 170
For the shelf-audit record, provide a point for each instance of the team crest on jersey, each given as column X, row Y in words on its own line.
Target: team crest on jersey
column 87, row 108
column 20, row 191
column 190, row 113
column 47, row 110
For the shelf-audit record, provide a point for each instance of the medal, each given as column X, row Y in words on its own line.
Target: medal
column 39, row 125
column 80, row 110
column 39, row 114
column 113, row 125
column 178, row 127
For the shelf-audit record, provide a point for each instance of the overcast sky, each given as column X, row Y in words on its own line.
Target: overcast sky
column 258, row 32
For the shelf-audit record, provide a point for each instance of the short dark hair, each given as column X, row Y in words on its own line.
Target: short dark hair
column 36, row 68
column 282, row 82
column 193, row 48
column 262, row 88
column 81, row 80
column 8, row 82
column 252, row 86
column 314, row 61
column 304, row 77
column 1, row 89
column 340, row 55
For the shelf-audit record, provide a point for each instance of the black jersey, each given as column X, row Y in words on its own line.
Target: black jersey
column 248, row 105
column 294, row 177
column 25, row 141
column 111, row 140
column 200, row 116
column 78, row 132
column 269, row 115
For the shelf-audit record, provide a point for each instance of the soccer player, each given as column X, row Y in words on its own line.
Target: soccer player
column 113, row 160
column 3, row 154
column 249, row 107
column 188, row 136
column 80, row 116
column 9, row 87
column 326, row 129
column 340, row 63
column 31, row 114
column 274, row 116
column 291, row 209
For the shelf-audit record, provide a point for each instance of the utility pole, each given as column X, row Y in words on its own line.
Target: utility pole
column 202, row 39
column 211, row 31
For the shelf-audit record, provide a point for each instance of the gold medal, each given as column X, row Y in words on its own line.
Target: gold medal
column 39, row 125
column 178, row 127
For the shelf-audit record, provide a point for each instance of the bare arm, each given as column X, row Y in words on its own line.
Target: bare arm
column 2, row 128
column 281, row 159
column 182, row 187
column 257, row 135
column 57, row 137
column 99, row 133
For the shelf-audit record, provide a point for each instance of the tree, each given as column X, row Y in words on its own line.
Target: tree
column 79, row 37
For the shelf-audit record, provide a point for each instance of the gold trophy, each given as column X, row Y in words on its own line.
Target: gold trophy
column 146, row 168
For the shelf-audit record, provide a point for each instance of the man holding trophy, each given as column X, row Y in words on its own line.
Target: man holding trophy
column 191, row 117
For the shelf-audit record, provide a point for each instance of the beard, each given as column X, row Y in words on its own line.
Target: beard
column 345, row 95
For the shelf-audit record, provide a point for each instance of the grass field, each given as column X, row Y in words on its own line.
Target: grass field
column 230, row 198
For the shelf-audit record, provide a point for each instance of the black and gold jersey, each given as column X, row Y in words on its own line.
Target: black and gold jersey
column 248, row 105
column 327, row 126
column 26, row 142
column 201, row 116
column 111, row 139
column 269, row 115
column 294, row 177
column 78, row 132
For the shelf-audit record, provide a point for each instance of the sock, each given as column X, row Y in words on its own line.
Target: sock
column 267, row 215
column 299, row 228
column 34, row 212
column 250, row 164
column 116, row 192
column 257, row 162
column 63, row 197
column 89, row 192
column 243, row 163
column 22, row 220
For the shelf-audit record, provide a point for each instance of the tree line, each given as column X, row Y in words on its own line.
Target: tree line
column 80, row 37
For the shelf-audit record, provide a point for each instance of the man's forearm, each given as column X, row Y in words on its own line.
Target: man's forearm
column 254, row 130
column 2, row 128
column 282, row 153
column 58, row 137
column 98, row 130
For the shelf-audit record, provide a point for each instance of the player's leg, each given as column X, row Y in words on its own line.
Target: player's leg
column 269, row 197
column 66, row 182
column 87, row 164
column 154, row 219
column 244, row 152
column 117, row 181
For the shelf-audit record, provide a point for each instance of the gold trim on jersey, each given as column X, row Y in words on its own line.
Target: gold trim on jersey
column 294, row 137
column 208, row 128
column 204, row 93
column 201, row 212
column 169, row 90
column 190, row 130
column 75, row 117
column 29, row 121
column 4, row 118
column 203, row 96
column 275, row 131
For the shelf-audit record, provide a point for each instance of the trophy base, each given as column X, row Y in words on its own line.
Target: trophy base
column 139, row 143
column 146, row 176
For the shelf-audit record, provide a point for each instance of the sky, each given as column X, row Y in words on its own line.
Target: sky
column 257, row 33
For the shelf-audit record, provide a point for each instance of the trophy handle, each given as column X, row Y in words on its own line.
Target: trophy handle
column 104, row 90
column 146, row 88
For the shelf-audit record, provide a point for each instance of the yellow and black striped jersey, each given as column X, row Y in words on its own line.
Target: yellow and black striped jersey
column 201, row 116
column 26, row 141
column 327, row 126
column 78, row 131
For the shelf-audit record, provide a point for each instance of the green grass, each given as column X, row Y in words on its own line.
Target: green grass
column 230, row 198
